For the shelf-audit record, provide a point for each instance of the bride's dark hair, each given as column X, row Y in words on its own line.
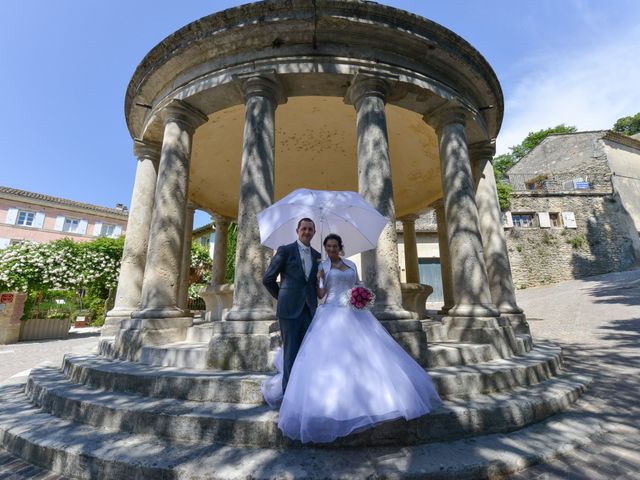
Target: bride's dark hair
column 337, row 238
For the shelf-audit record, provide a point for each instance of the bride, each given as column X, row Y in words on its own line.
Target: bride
column 349, row 374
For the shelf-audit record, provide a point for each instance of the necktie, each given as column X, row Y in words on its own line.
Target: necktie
column 305, row 261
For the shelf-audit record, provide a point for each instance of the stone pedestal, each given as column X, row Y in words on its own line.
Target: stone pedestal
column 380, row 268
column 11, row 309
column 243, row 345
column 134, row 254
column 414, row 298
column 218, row 300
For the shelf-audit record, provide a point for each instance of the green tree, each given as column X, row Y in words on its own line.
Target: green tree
column 628, row 125
column 230, row 269
column 534, row 139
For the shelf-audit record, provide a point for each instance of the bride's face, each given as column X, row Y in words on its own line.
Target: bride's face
column 332, row 248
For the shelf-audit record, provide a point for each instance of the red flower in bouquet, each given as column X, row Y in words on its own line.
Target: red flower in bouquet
column 360, row 298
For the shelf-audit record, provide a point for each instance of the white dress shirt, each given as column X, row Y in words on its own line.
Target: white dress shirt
column 305, row 256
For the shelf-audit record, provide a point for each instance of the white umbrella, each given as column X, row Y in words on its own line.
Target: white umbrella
column 342, row 212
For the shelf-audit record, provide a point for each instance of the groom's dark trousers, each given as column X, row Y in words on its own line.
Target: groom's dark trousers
column 297, row 299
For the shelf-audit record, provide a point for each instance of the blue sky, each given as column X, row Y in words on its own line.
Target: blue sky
column 65, row 65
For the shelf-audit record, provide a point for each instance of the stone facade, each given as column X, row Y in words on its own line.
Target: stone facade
column 574, row 208
column 35, row 217
column 599, row 243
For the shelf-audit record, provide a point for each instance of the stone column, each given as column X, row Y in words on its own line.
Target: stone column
column 380, row 268
column 134, row 254
column 471, row 294
column 494, row 243
column 445, row 260
column 220, row 250
column 411, row 264
column 185, row 265
column 251, row 301
column 159, row 319
column 218, row 296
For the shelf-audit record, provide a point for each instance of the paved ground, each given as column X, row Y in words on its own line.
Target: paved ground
column 597, row 322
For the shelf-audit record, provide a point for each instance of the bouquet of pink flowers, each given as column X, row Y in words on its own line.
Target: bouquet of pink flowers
column 360, row 298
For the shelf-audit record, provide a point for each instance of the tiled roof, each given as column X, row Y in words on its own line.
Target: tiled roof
column 23, row 195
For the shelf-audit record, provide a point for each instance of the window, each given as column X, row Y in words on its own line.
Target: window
column 523, row 220
column 25, row 218
column 107, row 230
column 554, row 218
column 71, row 225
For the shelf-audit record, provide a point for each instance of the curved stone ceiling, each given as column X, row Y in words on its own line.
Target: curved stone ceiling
column 315, row 148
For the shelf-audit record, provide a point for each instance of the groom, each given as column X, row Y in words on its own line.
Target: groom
column 297, row 265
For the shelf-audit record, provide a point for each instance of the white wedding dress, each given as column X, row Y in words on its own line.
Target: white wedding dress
column 349, row 374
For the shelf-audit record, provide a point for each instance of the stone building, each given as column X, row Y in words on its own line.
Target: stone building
column 575, row 210
column 35, row 217
column 232, row 112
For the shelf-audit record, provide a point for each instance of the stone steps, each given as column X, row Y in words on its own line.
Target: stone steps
column 85, row 452
column 542, row 363
column 189, row 355
column 193, row 355
column 256, row 425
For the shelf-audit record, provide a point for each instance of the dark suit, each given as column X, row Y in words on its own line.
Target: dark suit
column 297, row 299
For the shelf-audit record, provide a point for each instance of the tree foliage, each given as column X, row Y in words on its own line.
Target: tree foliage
column 533, row 139
column 628, row 125
column 231, row 254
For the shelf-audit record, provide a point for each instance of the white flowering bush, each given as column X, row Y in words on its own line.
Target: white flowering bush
column 46, row 270
column 58, row 265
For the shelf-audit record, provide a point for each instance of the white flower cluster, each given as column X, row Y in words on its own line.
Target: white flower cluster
column 55, row 265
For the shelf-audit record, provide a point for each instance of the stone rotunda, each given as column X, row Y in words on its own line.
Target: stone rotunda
column 231, row 113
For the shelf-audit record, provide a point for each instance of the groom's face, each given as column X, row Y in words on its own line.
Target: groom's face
column 305, row 232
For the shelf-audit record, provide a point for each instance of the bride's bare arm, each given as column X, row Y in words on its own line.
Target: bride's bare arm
column 321, row 290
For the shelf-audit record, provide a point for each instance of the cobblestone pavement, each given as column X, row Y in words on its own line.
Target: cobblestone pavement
column 595, row 320
column 15, row 361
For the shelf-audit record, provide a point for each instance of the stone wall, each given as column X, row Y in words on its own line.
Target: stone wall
column 601, row 242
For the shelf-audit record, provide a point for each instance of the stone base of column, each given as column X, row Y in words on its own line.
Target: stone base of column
column 252, row 314
column 392, row 312
column 474, row 310
column 112, row 325
column 113, row 321
column 218, row 300
column 243, row 345
column 161, row 313
column 410, row 335
column 488, row 330
column 518, row 322
column 136, row 333
column 414, row 298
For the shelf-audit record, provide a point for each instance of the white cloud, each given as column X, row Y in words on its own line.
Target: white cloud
column 589, row 87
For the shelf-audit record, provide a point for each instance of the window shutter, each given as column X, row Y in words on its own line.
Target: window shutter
column 12, row 216
column 507, row 220
column 544, row 220
column 97, row 227
column 117, row 231
column 82, row 227
column 4, row 242
column 59, row 223
column 38, row 221
column 569, row 220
